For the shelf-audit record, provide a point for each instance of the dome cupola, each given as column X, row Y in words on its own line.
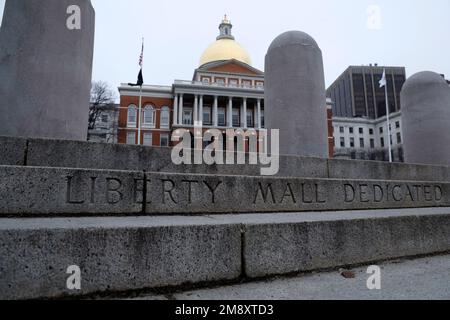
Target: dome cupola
column 225, row 47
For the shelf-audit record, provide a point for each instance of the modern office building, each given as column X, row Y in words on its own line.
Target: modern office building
column 359, row 113
column 357, row 94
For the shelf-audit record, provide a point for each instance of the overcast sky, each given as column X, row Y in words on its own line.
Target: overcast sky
column 411, row 33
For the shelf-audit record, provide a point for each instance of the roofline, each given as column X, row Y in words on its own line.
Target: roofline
column 222, row 62
column 352, row 67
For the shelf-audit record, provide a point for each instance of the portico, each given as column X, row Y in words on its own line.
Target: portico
column 218, row 110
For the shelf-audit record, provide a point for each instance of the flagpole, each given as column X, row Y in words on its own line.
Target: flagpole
column 140, row 115
column 141, row 62
column 388, row 121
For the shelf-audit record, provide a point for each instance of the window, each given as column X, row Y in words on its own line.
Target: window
column 131, row 137
column 399, row 138
column 341, row 129
column 164, row 140
column 259, row 85
column 250, row 119
column 350, row 129
column 263, row 123
column 220, row 82
column 206, row 80
column 382, row 142
column 371, row 131
column 187, row 117
column 104, row 118
column 149, row 117
column 372, row 143
column 361, row 142
column 236, row 118
column 352, row 142
column 392, row 141
column 207, row 116
column 381, row 130
column 132, row 115
column 342, row 142
column 397, row 124
column 361, row 130
column 401, row 155
column 148, row 139
column 221, row 117
column 246, row 83
column 233, row 83
column 165, row 117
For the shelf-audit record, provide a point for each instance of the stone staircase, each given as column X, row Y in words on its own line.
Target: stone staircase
column 132, row 220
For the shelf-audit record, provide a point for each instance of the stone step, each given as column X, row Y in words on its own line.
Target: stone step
column 53, row 192
column 88, row 155
column 120, row 254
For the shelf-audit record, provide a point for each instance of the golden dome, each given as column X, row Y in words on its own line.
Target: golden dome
column 225, row 49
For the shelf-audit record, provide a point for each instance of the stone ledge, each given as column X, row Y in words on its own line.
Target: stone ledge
column 90, row 155
column 12, row 151
column 275, row 249
column 132, row 253
column 375, row 170
column 58, row 191
column 76, row 154
column 38, row 191
column 34, row 261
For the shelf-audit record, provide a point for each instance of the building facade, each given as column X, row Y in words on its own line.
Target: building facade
column 225, row 92
column 357, row 94
column 367, row 139
column 360, row 126
column 105, row 128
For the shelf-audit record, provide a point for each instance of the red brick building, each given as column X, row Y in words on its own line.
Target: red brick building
column 225, row 92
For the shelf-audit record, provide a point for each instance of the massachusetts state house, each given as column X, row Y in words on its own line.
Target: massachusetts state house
column 225, row 92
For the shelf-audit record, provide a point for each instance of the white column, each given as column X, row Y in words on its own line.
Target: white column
column 230, row 112
column 244, row 114
column 259, row 114
column 200, row 112
column 195, row 110
column 175, row 110
column 180, row 110
column 216, row 112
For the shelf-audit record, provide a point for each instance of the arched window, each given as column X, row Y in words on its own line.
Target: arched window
column 132, row 115
column 148, row 119
column 165, row 117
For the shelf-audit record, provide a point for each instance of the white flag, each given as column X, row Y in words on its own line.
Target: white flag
column 383, row 80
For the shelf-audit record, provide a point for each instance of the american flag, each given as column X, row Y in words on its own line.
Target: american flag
column 141, row 57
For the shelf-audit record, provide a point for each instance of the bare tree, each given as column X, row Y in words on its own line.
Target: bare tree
column 102, row 97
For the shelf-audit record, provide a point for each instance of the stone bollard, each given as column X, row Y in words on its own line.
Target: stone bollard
column 295, row 95
column 46, row 53
column 425, row 99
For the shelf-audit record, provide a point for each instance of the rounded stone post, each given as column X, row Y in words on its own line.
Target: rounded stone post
column 295, row 99
column 46, row 52
column 425, row 103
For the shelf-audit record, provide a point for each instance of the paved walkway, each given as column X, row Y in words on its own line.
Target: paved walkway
column 423, row 279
